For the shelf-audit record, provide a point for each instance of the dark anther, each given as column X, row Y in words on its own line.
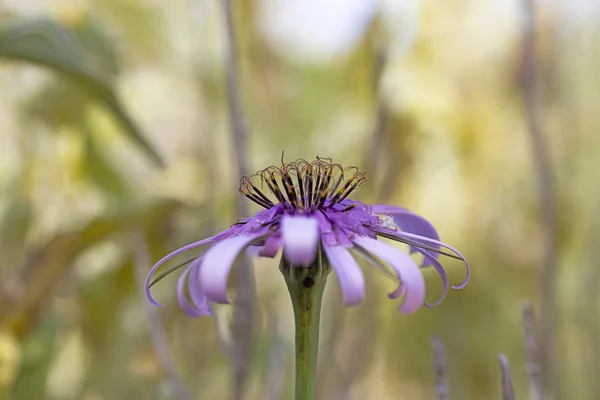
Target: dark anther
column 315, row 184
column 348, row 208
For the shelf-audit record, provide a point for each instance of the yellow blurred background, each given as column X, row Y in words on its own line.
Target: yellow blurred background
column 429, row 98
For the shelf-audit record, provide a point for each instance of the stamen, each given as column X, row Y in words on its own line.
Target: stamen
column 289, row 189
column 300, row 184
column 313, row 199
column 348, row 208
column 340, row 179
column 277, row 190
column 315, row 184
column 354, row 186
column 308, row 184
column 269, row 179
column 248, row 182
column 262, row 196
column 246, row 188
column 338, row 194
column 258, row 201
column 324, row 188
column 357, row 179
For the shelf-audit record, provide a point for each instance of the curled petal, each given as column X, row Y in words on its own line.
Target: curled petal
column 350, row 277
column 195, row 288
column 254, row 251
column 175, row 253
column 398, row 292
column 441, row 244
column 217, row 263
column 442, row 273
column 182, row 299
column 408, row 272
column 300, row 239
column 408, row 221
column 271, row 247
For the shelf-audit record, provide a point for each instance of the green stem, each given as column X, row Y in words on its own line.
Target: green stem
column 306, row 287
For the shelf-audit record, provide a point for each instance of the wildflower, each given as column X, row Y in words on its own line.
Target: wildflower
column 307, row 210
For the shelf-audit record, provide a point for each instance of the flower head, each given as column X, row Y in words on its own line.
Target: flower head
column 306, row 208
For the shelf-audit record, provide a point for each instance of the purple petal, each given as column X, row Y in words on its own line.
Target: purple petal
column 217, row 263
column 343, row 238
column 398, row 292
column 440, row 270
column 266, row 216
column 350, row 277
column 437, row 242
column 327, row 235
column 408, row 272
column 408, row 221
column 195, row 289
column 254, row 251
column 175, row 253
column 268, row 249
column 182, row 299
column 300, row 239
column 271, row 247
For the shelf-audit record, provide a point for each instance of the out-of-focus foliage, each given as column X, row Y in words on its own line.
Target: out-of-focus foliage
column 85, row 85
column 87, row 61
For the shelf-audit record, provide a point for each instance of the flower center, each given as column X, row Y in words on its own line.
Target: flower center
column 302, row 185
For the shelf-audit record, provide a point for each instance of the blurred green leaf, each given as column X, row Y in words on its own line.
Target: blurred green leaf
column 138, row 24
column 39, row 351
column 16, row 220
column 14, row 226
column 44, row 42
column 98, row 44
column 100, row 300
column 101, row 171
column 59, row 104
column 45, row 265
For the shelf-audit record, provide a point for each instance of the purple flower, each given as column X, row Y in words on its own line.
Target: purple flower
column 307, row 208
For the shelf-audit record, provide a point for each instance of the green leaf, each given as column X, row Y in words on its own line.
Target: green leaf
column 49, row 44
column 38, row 352
column 93, row 36
column 15, row 223
column 46, row 264
column 99, row 299
column 101, row 171
column 57, row 105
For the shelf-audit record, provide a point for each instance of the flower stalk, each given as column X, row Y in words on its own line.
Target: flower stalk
column 306, row 286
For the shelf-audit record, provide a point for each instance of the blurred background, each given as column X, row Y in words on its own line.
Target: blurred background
column 115, row 149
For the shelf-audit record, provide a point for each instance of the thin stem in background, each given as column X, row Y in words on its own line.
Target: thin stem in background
column 508, row 393
column 533, row 368
column 440, row 364
column 239, row 131
column 155, row 327
column 278, row 361
column 244, row 313
column 529, row 83
column 382, row 113
column 589, row 306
